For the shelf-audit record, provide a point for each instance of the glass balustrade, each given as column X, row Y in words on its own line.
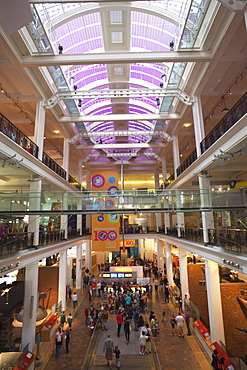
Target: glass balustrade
column 178, row 200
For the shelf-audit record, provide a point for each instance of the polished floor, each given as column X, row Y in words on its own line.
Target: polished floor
column 173, row 352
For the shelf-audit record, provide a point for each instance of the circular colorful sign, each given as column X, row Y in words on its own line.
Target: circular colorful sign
column 109, row 204
column 113, row 191
column 113, row 218
column 102, row 235
column 112, row 235
column 96, row 205
column 112, row 180
column 98, row 181
column 100, row 218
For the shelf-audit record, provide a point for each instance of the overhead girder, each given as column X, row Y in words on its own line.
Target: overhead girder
column 117, row 93
column 50, row 59
column 122, row 146
column 120, row 117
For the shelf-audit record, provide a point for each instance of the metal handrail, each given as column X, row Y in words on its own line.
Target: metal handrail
column 91, row 346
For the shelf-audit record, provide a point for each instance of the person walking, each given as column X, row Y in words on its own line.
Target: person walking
column 187, row 321
column 74, row 299
column 127, row 329
column 215, row 360
column 119, row 320
column 117, row 354
column 148, row 341
column 180, row 323
column 143, row 340
column 67, row 340
column 58, row 341
column 163, row 315
column 86, row 312
column 108, row 349
column 62, row 319
column 70, row 320
column 104, row 319
column 173, row 323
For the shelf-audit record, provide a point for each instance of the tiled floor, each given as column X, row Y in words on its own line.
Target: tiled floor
column 173, row 352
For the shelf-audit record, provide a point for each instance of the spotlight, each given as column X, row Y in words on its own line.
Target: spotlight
column 100, row 141
column 2, row 90
column 171, row 46
column 79, row 103
column 161, row 85
column 225, row 109
column 75, row 87
column 158, row 102
column 60, row 49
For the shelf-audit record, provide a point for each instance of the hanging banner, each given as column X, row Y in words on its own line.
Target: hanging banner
column 105, row 227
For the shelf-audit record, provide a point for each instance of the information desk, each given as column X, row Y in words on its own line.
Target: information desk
column 128, row 270
column 123, row 277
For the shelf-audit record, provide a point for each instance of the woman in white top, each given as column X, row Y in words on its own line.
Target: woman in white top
column 180, row 323
column 143, row 340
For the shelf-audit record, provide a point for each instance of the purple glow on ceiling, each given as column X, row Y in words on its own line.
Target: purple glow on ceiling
column 150, row 32
column 80, row 35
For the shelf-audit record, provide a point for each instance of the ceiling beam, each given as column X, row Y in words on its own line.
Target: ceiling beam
column 120, row 117
column 122, row 146
column 114, row 58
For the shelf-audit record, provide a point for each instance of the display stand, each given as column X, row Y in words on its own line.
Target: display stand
column 49, row 328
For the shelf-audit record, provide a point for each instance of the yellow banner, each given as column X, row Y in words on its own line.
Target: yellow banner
column 105, row 227
column 128, row 243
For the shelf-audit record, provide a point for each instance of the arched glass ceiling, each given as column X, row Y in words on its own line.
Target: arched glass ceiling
column 82, row 28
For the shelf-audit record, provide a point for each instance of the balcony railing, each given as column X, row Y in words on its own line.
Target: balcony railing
column 74, row 182
column 14, row 242
column 10, row 130
column 48, row 237
column 49, row 162
column 188, row 161
column 231, row 239
column 193, row 234
column 229, row 120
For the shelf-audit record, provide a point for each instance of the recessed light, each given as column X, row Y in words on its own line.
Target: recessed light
column 181, row 155
column 187, row 124
column 56, row 131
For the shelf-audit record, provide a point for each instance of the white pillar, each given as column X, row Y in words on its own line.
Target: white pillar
column 245, row 18
column 34, row 204
column 206, row 201
column 88, row 259
column 89, row 217
column 169, row 269
column 160, row 254
column 62, row 278
column 183, row 269
column 66, row 157
column 78, row 266
column 198, row 123
column 39, row 128
column 64, row 218
column 176, row 158
column 163, row 163
column 141, row 248
column 158, row 221
column 167, row 221
column 214, row 302
column 30, row 307
column 80, row 170
column 156, row 179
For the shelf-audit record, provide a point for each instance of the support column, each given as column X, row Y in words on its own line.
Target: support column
column 158, row 221
column 79, row 266
column 183, row 269
column 39, row 128
column 179, row 215
column 169, row 270
column 66, row 157
column 141, row 248
column 167, row 221
column 34, row 204
column 89, row 217
column 206, row 201
column 79, row 216
column 214, row 302
column 198, row 123
column 30, row 307
column 62, row 278
column 64, row 218
column 163, row 163
column 160, row 254
column 176, row 158
column 88, row 260
column 156, row 179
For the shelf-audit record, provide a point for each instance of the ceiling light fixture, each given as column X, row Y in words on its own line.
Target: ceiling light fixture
column 187, row 124
column 171, row 46
column 225, row 109
column 56, row 131
column 60, row 49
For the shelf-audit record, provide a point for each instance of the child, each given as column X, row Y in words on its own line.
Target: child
column 117, row 354
column 70, row 320
column 163, row 315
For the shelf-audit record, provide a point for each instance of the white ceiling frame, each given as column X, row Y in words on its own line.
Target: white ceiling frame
column 120, row 117
column 117, row 93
